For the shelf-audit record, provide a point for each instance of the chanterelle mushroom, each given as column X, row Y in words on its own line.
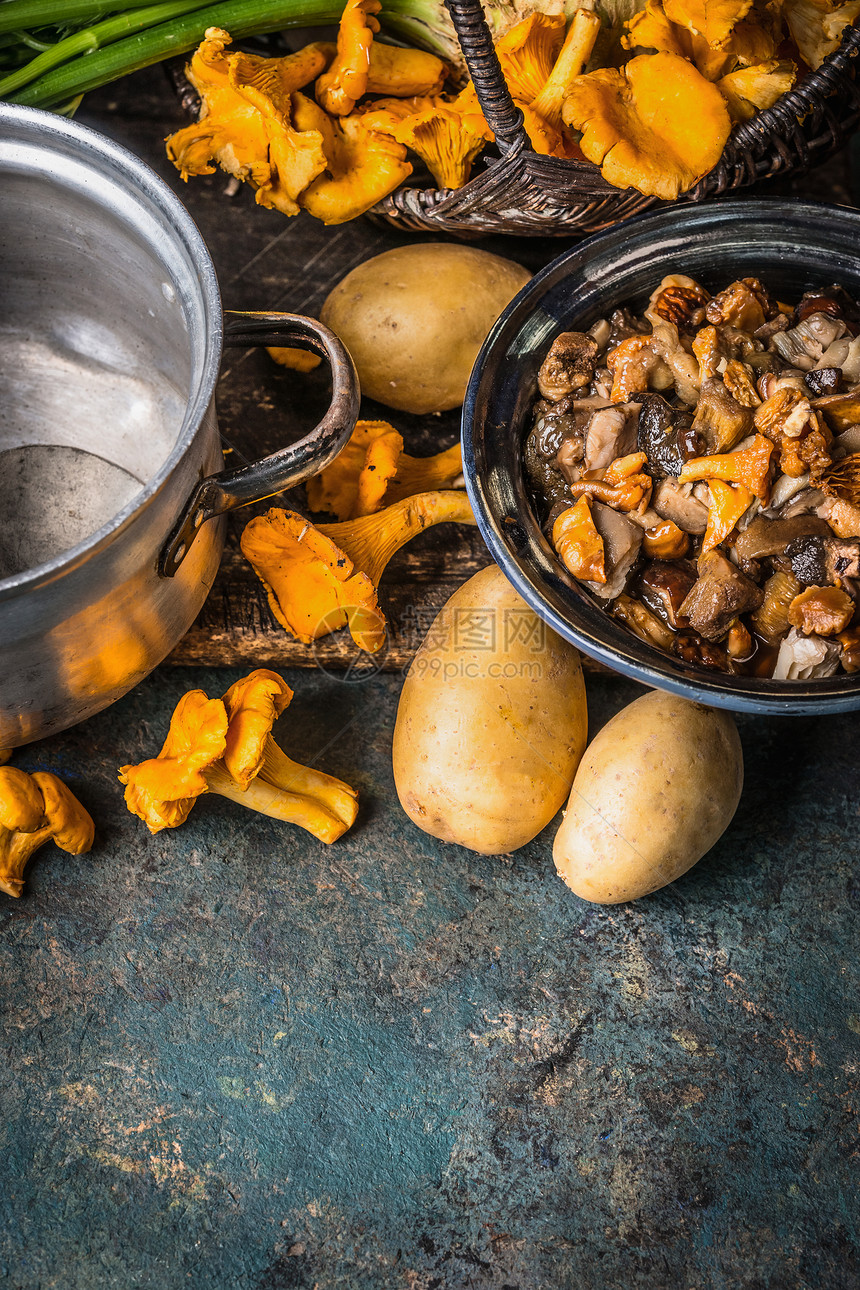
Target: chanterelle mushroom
column 445, row 140
column 224, row 746
column 528, row 53
column 245, row 121
column 339, row 89
column 817, row 25
column 748, row 90
column 571, row 62
column 373, row 470
column 322, row 577
column 361, row 166
column 35, row 809
column 712, row 19
column 655, row 125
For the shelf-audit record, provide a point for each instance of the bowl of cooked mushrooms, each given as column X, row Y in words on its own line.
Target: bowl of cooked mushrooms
column 661, row 444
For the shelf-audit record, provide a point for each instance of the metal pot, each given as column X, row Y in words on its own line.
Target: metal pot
column 112, row 495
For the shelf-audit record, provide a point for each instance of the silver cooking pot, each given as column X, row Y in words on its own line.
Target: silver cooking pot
column 112, row 492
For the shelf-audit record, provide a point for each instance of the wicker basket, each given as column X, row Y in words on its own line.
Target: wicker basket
column 523, row 192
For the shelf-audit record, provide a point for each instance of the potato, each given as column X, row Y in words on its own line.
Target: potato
column 414, row 319
column 492, row 721
column 655, row 789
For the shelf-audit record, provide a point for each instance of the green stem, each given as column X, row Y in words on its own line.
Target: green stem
column 93, row 38
column 17, row 15
column 30, row 42
column 425, row 24
column 240, row 17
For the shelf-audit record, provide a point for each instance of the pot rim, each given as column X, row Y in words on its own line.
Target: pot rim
column 21, row 124
column 510, row 537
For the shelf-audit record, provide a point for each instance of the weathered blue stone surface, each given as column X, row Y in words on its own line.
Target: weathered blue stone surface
column 237, row 1058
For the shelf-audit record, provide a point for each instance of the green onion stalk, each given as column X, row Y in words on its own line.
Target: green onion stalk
column 132, row 38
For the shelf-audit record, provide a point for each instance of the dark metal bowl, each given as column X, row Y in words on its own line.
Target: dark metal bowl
column 793, row 248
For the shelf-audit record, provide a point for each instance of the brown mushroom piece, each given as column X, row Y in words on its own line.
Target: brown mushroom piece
column 611, row 433
column 766, row 537
column 675, row 502
column 543, row 475
column 661, row 435
column 745, row 305
column 642, row 622
column 720, row 420
column 849, row 642
column 568, row 366
column 721, row 593
column 842, row 517
column 841, row 412
column 622, row 540
column 824, row 380
column 821, row 561
column 693, row 649
column 805, row 502
column 663, row 585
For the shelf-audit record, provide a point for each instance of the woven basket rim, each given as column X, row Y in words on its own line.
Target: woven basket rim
column 766, row 128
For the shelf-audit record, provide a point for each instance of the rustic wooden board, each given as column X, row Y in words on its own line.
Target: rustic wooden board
column 236, row 625
column 267, row 262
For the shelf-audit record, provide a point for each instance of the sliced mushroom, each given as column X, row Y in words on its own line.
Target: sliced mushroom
column 840, row 411
column 784, row 490
column 663, row 586
column 801, row 658
column 622, row 540
column 820, row 561
column 802, row 346
column 824, row 380
column 611, row 434
column 719, row 596
column 675, row 502
column 720, row 420
column 600, row 333
column 806, row 502
column 642, row 622
column 684, row 369
column 658, row 435
column 847, row 443
column 568, row 366
column 770, row 620
column 765, row 537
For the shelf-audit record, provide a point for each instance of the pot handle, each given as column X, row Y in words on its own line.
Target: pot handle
column 231, row 488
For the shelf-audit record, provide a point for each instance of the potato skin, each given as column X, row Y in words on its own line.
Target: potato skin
column 655, row 790
column 489, row 733
column 414, row 318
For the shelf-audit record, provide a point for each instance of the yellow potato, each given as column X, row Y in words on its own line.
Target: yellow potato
column 414, row 319
column 654, row 791
column 492, row 721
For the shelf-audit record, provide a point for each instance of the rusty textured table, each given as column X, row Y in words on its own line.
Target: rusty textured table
column 235, row 1058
